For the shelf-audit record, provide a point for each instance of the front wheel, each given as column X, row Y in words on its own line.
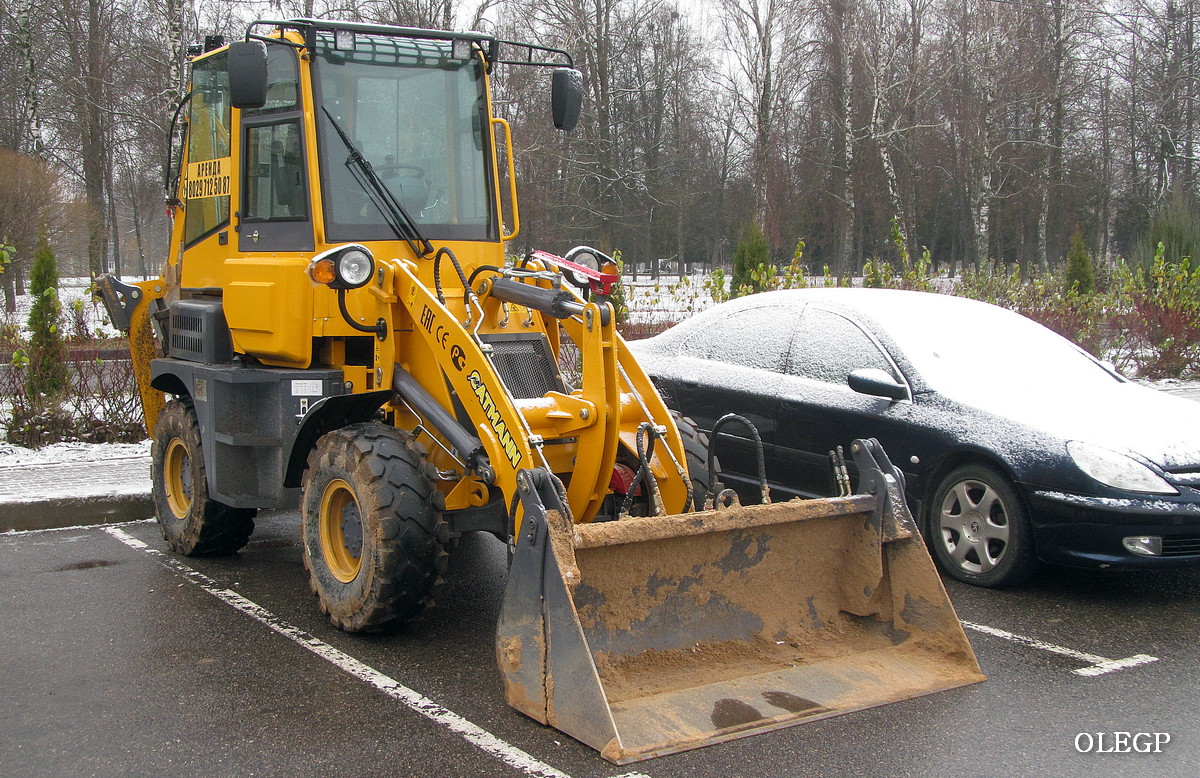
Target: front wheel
column 192, row 523
column 372, row 533
column 979, row 529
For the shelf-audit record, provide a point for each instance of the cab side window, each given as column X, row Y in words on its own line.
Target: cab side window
column 274, row 211
column 206, row 190
column 275, row 182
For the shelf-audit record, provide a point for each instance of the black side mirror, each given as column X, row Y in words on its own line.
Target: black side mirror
column 877, row 383
column 248, row 74
column 566, row 97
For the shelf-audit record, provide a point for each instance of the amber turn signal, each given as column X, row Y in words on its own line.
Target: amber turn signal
column 322, row 271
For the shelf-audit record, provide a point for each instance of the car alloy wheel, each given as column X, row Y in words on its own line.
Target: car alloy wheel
column 979, row 529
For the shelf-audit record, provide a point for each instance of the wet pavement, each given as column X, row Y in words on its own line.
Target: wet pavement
column 119, row 659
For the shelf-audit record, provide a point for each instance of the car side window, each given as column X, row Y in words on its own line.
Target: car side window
column 756, row 338
column 828, row 347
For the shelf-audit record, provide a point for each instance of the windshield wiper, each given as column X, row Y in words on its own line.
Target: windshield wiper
column 392, row 210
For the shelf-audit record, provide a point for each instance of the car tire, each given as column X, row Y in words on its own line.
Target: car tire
column 979, row 530
column 695, row 449
column 192, row 523
column 372, row 533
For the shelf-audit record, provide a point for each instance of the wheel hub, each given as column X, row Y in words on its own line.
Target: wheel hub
column 973, row 528
column 341, row 530
column 177, row 477
column 352, row 531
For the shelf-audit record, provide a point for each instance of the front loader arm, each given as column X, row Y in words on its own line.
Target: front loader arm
column 470, row 374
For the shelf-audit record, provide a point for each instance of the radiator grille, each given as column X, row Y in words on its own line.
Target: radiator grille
column 198, row 331
column 526, row 364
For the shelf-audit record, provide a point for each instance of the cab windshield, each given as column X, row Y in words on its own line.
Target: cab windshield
column 417, row 115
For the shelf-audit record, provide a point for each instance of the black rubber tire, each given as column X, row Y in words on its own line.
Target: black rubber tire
column 376, row 479
column 695, row 449
column 992, row 550
column 191, row 522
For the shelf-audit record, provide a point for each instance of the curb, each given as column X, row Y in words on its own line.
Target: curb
column 82, row 492
column 74, row 511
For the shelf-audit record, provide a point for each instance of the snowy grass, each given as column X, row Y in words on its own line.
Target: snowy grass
column 81, row 317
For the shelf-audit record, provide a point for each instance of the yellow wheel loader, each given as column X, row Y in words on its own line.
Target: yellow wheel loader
column 337, row 328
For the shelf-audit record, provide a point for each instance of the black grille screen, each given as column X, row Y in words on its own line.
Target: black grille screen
column 525, row 364
column 1183, row 546
column 187, row 335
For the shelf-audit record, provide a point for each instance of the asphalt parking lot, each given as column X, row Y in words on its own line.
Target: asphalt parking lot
column 120, row 660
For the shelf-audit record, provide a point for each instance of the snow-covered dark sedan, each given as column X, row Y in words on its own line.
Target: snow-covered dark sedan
column 1017, row 445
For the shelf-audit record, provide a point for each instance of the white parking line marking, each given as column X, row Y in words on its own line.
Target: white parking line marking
column 389, row 686
column 1098, row 665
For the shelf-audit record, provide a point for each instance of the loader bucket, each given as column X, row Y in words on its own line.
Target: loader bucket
column 644, row 637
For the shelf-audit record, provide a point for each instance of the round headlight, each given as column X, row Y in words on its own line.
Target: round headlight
column 1117, row 470
column 354, row 268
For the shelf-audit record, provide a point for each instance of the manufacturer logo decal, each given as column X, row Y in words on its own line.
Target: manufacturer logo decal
column 493, row 416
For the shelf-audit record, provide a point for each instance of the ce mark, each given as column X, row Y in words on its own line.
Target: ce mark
column 441, row 336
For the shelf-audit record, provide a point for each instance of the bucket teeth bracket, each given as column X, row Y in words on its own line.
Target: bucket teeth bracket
column 878, row 476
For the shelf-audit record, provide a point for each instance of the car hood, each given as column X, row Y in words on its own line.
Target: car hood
column 1120, row 416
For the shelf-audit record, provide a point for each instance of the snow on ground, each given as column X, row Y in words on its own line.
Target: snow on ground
column 61, row 453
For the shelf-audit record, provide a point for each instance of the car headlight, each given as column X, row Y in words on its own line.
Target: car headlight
column 1117, row 470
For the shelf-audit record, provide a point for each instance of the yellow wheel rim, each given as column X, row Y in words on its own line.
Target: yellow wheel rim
column 341, row 529
column 177, row 478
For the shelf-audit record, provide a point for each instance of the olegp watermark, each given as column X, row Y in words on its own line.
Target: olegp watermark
column 1121, row 742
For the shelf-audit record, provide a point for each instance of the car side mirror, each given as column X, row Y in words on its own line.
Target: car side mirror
column 566, row 97
column 247, row 74
column 877, row 383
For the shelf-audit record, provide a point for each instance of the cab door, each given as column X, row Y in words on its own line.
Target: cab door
column 275, row 214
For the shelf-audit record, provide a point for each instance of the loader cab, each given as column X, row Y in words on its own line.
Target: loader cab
column 416, row 111
column 326, row 133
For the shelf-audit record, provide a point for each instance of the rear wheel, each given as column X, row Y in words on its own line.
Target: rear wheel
column 373, row 535
column 979, row 529
column 191, row 522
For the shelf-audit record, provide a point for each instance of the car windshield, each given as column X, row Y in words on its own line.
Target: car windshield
column 417, row 115
column 972, row 351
